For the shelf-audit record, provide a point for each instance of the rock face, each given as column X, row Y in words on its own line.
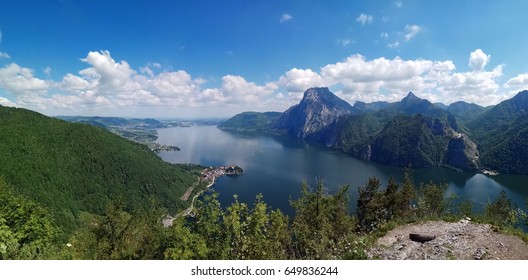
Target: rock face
column 463, row 240
column 318, row 109
column 422, row 142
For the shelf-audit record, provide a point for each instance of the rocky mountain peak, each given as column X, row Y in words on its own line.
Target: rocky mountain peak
column 318, row 108
column 521, row 99
column 411, row 98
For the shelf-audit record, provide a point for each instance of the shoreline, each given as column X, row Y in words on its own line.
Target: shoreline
column 209, row 174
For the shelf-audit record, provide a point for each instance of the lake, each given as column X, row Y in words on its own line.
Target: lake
column 276, row 166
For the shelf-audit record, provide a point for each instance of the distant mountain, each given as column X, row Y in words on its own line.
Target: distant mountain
column 106, row 122
column 363, row 108
column 502, row 135
column 501, row 116
column 412, row 105
column 507, row 151
column 466, row 111
column 251, row 122
column 318, row 109
column 462, row 135
column 75, row 169
column 441, row 105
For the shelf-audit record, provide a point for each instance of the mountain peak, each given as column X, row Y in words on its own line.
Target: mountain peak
column 410, row 98
column 519, row 101
column 316, row 92
column 521, row 95
column 318, row 108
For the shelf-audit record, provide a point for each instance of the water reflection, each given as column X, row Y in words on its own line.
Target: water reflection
column 275, row 166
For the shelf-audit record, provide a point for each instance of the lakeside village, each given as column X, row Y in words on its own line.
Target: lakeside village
column 212, row 173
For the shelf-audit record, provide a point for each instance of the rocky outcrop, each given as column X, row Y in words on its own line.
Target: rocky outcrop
column 463, row 240
column 318, row 109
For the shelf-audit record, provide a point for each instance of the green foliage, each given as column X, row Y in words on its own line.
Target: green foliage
column 502, row 212
column 183, row 244
column 321, row 221
column 208, row 223
column 72, row 168
column 120, row 235
column 502, row 133
column 410, row 139
column 27, row 230
column 351, row 133
column 372, row 208
column 238, row 233
column 431, row 202
column 251, row 122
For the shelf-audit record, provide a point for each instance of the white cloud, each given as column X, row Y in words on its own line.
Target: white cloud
column 169, row 84
column 390, row 79
column 74, row 83
column 110, row 75
column 47, row 71
column 519, row 81
column 19, row 80
column 109, row 87
column 478, row 60
column 393, row 44
column 365, row 19
column 344, row 42
column 398, row 4
column 298, row 80
column 4, row 55
column 285, row 17
column 237, row 90
column 6, row 102
column 411, row 31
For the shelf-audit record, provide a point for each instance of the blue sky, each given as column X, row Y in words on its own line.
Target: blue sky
column 192, row 59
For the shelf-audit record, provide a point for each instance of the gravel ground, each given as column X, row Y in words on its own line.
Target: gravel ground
column 463, row 240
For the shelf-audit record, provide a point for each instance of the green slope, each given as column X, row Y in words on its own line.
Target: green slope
column 251, row 122
column 74, row 168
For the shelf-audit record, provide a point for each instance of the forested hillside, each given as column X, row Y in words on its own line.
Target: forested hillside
column 75, row 170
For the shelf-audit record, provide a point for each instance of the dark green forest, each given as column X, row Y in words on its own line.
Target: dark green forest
column 75, row 170
column 321, row 228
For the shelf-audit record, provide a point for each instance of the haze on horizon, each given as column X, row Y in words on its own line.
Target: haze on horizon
column 190, row 59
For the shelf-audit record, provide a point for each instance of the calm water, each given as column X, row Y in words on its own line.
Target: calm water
column 276, row 166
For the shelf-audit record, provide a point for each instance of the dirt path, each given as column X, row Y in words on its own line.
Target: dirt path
column 167, row 222
column 186, row 195
column 463, row 240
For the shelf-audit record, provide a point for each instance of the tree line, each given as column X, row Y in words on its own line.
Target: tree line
column 321, row 227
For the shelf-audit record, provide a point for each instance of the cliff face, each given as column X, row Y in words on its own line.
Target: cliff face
column 318, row 109
column 422, row 142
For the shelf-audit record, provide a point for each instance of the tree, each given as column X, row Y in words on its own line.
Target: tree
column 209, row 224
column 431, row 202
column 407, row 195
column 502, row 211
column 183, row 244
column 319, row 221
column 371, row 209
column 27, row 230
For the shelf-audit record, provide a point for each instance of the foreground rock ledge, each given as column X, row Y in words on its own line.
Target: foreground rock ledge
column 463, row 240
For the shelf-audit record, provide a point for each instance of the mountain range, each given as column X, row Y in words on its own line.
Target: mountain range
column 462, row 136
